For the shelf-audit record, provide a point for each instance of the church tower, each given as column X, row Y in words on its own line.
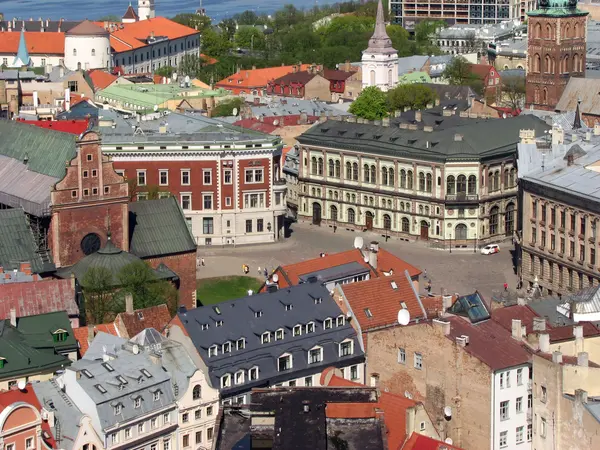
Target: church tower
column 380, row 59
column 146, row 9
column 556, row 51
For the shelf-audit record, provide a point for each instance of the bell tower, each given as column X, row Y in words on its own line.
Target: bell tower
column 146, row 9
column 556, row 51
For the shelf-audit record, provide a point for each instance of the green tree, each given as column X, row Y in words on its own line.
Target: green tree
column 165, row 71
column 98, row 294
column 287, row 16
column 192, row 20
column 250, row 38
column 190, row 65
column 414, row 96
column 215, row 44
column 458, row 72
column 228, row 27
column 246, row 18
column 225, row 109
column 140, row 280
column 513, row 91
column 371, row 104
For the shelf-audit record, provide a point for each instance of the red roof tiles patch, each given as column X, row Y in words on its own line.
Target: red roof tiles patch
column 101, row 79
column 256, row 78
column 81, row 335
column 75, row 127
column 38, row 42
column 157, row 317
column 38, row 297
column 420, row 442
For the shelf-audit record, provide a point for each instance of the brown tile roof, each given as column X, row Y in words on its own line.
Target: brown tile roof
column 87, row 28
column 38, row 297
column 38, row 42
column 301, row 77
column 256, row 77
column 393, row 406
column 566, row 359
column 101, row 78
column 157, row 317
column 419, row 442
column 481, row 70
column 337, row 75
column 130, row 13
column 489, row 342
column 565, row 333
column 376, row 302
column 81, row 335
column 290, row 275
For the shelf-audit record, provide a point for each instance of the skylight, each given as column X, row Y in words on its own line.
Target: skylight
column 108, row 367
column 87, row 373
column 394, row 285
column 217, row 310
column 121, row 379
column 146, row 373
column 100, row 388
column 368, row 313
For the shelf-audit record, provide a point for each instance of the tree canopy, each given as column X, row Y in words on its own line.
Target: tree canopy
column 413, row 96
column 458, row 72
column 371, row 104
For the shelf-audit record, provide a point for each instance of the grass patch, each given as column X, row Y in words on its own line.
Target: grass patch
column 216, row 290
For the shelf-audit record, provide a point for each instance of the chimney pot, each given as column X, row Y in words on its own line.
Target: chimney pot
column 582, row 359
column 418, row 116
column 129, row 304
column 460, row 340
column 517, row 329
column 443, row 324
column 539, row 324
column 581, row 396
column 13, row 317
column 544, row 342
column 557, row 357
column 578, row 331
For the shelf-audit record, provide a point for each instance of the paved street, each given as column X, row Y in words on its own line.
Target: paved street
column 460, row 271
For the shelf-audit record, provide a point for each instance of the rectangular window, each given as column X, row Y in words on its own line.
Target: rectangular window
column 593, row 256
column 519, row 405
column 563, row 217
column 227, row 176
column 308, row 381
column 207, row 225
column 248, row 226
column 581, row 252
column 504, row 410
column 207, row 176
column 345, row 348
column 418, row 361
column 197, row 414
column 519, row 377
column 543, row 427
column 254, row 200
column 582, row 226
column 209, row 434
column 354, row 372
column 553, row 216
column 186, row 440
column 207, row 201
column 254, row 175
column 572, row 249
column 166, row 418
column 543, row 213
column 185, row 177
column 533, row 235
column 401, row 356
column 259, row 225
column 562, row 245
column 543, row 242
column 29, row 443
column 315, row 356
column 186, row 202
column 227, row 201
column 209, row 411
column 529, row 432
column 198, row 437
column 163, row 177
column 572, row 225
column 534, row 209
column 141, row 178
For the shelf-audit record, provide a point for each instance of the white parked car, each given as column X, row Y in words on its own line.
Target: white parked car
column 490, row 249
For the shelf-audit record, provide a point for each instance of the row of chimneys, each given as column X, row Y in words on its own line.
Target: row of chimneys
column 11, row 24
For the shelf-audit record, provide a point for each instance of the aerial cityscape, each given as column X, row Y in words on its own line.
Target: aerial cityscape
column 361, row 225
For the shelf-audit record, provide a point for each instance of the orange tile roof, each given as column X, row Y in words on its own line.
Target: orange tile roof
column 133, row 35
column 380, row 300
column 290, row 275
column 38, row 43
column 393, row 406
column 209, row 60
column 253, row 78
column 81, row 335
column 481, row 70
column 157, row 317
column 101, row 78
column 419, row 442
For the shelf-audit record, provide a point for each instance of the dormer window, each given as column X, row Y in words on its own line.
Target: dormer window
column 226, row 347
column 219, row 323
column 137, row 403
column 212, row 351
column 297, row 330
column 288, row 307
column 240, row 344
column 279, row 334
column 253, row 374
column 204, row 327
column 226, row 381
column 310, row 327
column 318, row 301
column 156, row 396
column 239, row 377
column 284, row 362
column 59, row 335
column 258, row 314
column 315, row 355
column 341, row 320
column 266, row 338
column 327, row 323
column 117, row 409
column 346, row 348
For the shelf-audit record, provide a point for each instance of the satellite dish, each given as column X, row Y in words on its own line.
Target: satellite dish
column 21, row 385
column 448, row 411
column 136, row 349
column 235, row 111
column 449, row 441
column 403, row 317
column 250, row 292
column 358, row 242
column 276, row 122
column 174, row 76
column 155, row 107
column 275, row 278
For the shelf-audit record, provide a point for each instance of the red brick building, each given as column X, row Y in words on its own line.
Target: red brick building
column 490, row 78
column 225, row 178
column 556, row 51
column 315, row 82
column 254, row 81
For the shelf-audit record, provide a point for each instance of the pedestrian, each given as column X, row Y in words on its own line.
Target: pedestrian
column 429, row 287
column 259, row 271
column 505, row 286
column 202, row 261
column 247, row 271
column 425, row 273
column 266, row 273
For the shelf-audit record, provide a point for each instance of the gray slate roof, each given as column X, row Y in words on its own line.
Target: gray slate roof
column 582, row 89
column 480, row 138
column 283, row 106
column 158, row 227
column 411, row 63
column 36, row 25
column 17, row 243
column 240, row 321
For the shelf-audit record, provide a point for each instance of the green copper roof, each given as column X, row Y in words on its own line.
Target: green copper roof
column 17, row 243
column 46, row 151
column 557, row 8
column 158, row 227
column 414, row 77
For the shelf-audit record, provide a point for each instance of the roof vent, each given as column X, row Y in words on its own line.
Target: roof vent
column 458, row 137
column 394, row 285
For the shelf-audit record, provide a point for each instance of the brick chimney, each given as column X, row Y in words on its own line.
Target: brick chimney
column 25, row 267
column 129, row 304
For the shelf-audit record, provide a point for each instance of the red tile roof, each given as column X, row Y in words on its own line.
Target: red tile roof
column 12, row 396
column 489, row 342
column 337, row 75
column 66, row 126
column 38, row 43
column 566, row 359
column 101, row 79
column 208, row 60
column 481, row 70
column 419, row 442
column 256, row 78
column 38, row 297
column 81, row 335
column 376, row 302
column 284, row 152
column 565, row 333
column 157, row 317
column 272, row 123
column 393, row 406
column 256, row 125
column 290, row 275
column 133, row 35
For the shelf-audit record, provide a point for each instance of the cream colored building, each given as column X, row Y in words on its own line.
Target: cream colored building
column 440, row 174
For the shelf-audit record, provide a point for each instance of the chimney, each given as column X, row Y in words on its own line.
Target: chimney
column 437, row 102
column 570, row 158
column 91, row 333
column 256, row 101
column 539, row 324
column 428, row 129
column 557, row 357
column 129, row 304
column 418, row 116
column 294, row 68
column 374, row 249
column 61, row 71
column 67, row 99
column 374, row 380
column 25, row 267
column 253, row 67
column 445, row 326
column 347, row 66
column 578, row 334
column 461, row 341
column 35, row 99
column 581, row 396
column 544, row 342
column 458, row 137
column 446, row 303
column 582, row 359
column 385, row 121
column 13, row 317
column 517, row 329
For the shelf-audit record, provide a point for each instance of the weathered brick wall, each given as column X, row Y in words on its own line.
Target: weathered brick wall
column 184, row 265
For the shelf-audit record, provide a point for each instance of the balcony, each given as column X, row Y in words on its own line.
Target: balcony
column 279, row 185
column 462, row 198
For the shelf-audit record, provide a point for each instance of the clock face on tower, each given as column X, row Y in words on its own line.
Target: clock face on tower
column 90, row 243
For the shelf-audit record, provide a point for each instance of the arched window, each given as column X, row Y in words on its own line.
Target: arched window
column 390, row 80
column 427, row 210
column 313, row 192
column 512, row 177
column 576, row 31
column 537, row 33
column 548, row 31
column 313, row 165
column 196, row 392
column 509, row 219
column 460, row 232
column 329, row 193
column 93, row 52
column 421, row 181
column 472, row 184
column 384, row 176
column 320, row 167
column 494, row 220
column 353, row 198
column 567, row 31
column 505, row 179
column 351, row 216
column 409, row 180
column 401, row 206
column 545, row 96
column 461, row 184
column 373, row 174
column 372, row 78
column 74, row 52
column 366, row 173
column 335, row 195
column 490, row 181
column 450, row 185
column 387, row 222
column 371, row 201
column 403, row 179
column 547, row 63
column 391, row 177
column 333, row 213
column 567, row 64
column 405, row 225
column 576, row 63
column 347, row 197
column 331, row 167
column 348, row 170
column 338, row 169
column 536, row 63
column 389, row 204
column 497, row 180
column 421, row 209
column 429, row 180
column 355, row 171
column 536, row 95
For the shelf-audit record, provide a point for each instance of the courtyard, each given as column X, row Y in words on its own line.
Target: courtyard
column 461, row 271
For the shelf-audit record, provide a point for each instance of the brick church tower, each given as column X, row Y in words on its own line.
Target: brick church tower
column 90, row 198
column 556, row 51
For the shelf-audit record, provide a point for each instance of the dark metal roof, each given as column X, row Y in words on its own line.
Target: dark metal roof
column 471, row 306
column 158, row 227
